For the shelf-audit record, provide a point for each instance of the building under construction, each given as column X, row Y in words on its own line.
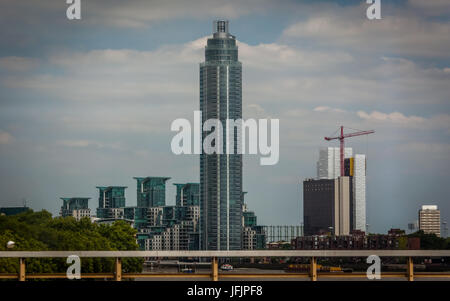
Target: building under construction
column 335, row 202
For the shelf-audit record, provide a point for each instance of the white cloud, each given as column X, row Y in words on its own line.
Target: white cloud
column 402, row 32
column 129, row 14
column 281, row 57
column 440, row 121
column 142, row 13
column 78, row 143
column 327, row 108
column 87, row 143
column 102, row 75
column 395, row 117
column 255, row 111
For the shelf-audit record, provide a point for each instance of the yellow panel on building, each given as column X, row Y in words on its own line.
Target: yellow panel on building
column 352, row 166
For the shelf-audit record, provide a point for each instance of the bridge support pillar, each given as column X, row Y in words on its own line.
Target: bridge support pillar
column 214, row 269
column 313, row 269
column 21, row 269
column 118, row 269
column 410, row 269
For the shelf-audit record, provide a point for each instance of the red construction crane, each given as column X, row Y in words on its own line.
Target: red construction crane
column 341, row 139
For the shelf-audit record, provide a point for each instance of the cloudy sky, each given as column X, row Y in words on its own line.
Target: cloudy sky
column 89, row 102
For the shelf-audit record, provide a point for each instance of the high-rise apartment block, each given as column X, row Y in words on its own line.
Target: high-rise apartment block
column 253, row 236
column 187, row 194
column 430, row 220
column 76, row 207
column 329, row 164
column 138, row 215
column 357, row 174
column 151, row 191
column 162, row 227
column 221, row 174
column 170, row 228
column 111, row 201
column 159, row 227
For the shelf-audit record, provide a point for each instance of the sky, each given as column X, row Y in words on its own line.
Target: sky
column 86, row 103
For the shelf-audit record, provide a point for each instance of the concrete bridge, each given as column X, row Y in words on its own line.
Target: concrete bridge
column 214, row 274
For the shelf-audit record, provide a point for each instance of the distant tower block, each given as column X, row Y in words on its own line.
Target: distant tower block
column 430, row 220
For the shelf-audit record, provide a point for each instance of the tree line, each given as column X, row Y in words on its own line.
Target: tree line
column 39, row 231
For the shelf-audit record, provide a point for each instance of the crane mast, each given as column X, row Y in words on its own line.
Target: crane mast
column 341, row 138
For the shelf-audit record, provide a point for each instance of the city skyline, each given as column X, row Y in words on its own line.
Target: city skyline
column 79, row 112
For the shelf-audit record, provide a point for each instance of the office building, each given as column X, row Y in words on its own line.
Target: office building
column 327, row 206
column 318, row 206
column 221, row 174
column 343, row 200
column 151, row 191
column 430, row 220
column 76, row 207
column 328, row 167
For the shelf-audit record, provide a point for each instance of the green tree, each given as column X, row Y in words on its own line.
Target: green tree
column 39, row 231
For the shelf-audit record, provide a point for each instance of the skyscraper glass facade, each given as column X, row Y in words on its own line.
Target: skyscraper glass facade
column 221, row 174
column 151, row 191
column 109, row 199
column 111, row 196
column 70, row 204
column 187, row 194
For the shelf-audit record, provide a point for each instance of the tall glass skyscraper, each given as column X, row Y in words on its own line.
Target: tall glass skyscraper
column 221, row 174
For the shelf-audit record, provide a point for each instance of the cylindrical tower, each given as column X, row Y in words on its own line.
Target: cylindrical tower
column 221, row 174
